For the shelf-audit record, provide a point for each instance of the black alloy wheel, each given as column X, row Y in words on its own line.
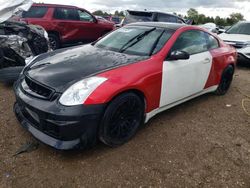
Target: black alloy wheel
column 226, row 80
column 121, row 120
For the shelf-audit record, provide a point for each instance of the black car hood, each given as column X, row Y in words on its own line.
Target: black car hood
column 61, row 68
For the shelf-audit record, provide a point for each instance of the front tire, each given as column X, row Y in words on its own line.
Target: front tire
column 226, row 80
column 121, row 119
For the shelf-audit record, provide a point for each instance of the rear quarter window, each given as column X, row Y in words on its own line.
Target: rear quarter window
column 213, row 43
column 35, row 12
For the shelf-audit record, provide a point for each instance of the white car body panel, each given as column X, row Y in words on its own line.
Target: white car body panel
column 245, row 51
column 161, row 109
column 184, row 78
column 235, row 37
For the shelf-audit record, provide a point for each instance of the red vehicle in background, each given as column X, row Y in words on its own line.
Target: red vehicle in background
column 66, row 24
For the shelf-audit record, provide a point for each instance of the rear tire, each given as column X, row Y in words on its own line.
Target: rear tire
column 226, row 80
column 121, row 120
column 54, row 41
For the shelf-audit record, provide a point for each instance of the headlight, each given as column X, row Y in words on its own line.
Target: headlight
column 79, row 92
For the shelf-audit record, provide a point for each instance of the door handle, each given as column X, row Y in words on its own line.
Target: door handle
column 206, row 61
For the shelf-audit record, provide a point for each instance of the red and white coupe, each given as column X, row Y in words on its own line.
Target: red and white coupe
column 106, row 90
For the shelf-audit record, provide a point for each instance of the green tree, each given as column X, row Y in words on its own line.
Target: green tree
column 101, row 13
column 201, row 19
column 236, row 17
column 193, row 14
column 220, row 21
column 98, row 13
column 121, row 13
column 117, row 13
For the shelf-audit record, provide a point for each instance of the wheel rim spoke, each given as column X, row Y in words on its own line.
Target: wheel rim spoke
column 124, row 119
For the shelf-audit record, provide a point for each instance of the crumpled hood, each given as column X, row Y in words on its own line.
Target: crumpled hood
column 62, row 68
column 10, row 7
column 235, row 37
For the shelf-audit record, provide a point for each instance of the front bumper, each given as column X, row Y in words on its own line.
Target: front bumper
column 242, row 58
column 243, row 55
column 56, row 125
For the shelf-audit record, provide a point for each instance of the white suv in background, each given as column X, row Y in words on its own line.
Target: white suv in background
column 239, row 37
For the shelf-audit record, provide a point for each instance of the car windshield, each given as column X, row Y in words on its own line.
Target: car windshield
column 240, row 28
column 141, row 41
column 138, row 17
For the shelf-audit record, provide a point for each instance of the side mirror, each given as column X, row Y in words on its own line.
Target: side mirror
column 178, row 55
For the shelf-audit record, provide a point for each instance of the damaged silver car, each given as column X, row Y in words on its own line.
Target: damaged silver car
column 19, row 42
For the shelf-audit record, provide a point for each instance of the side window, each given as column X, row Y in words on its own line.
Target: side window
column 166, row 18
column 84, row 16
column 162, row 41
column 213, row 43
column 66, row 14
column 192, row 42
column 35, row 12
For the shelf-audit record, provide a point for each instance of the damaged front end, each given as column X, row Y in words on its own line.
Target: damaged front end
column 19, row 41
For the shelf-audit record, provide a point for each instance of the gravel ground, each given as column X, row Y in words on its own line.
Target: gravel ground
column 202, row 143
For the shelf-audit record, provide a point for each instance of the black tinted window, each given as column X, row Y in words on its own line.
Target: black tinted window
column 66, row 14
column 166, row 18
column 212, row 42
column 35, row 12
column 192, row 42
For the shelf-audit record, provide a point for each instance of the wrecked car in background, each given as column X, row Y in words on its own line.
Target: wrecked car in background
column 19, row 41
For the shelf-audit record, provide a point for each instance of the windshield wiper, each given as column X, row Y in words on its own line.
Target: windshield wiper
column 155, row 43
column 138, row 38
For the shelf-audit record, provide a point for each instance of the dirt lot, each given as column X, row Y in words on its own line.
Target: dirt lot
column 202, row 143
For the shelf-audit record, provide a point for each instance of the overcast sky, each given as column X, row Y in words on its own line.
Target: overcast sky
column 222, row 8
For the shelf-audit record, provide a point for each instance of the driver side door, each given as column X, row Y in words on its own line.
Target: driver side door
column 183, row 78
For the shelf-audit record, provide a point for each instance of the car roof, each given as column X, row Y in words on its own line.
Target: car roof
column 166, row 25
column 53, row 5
